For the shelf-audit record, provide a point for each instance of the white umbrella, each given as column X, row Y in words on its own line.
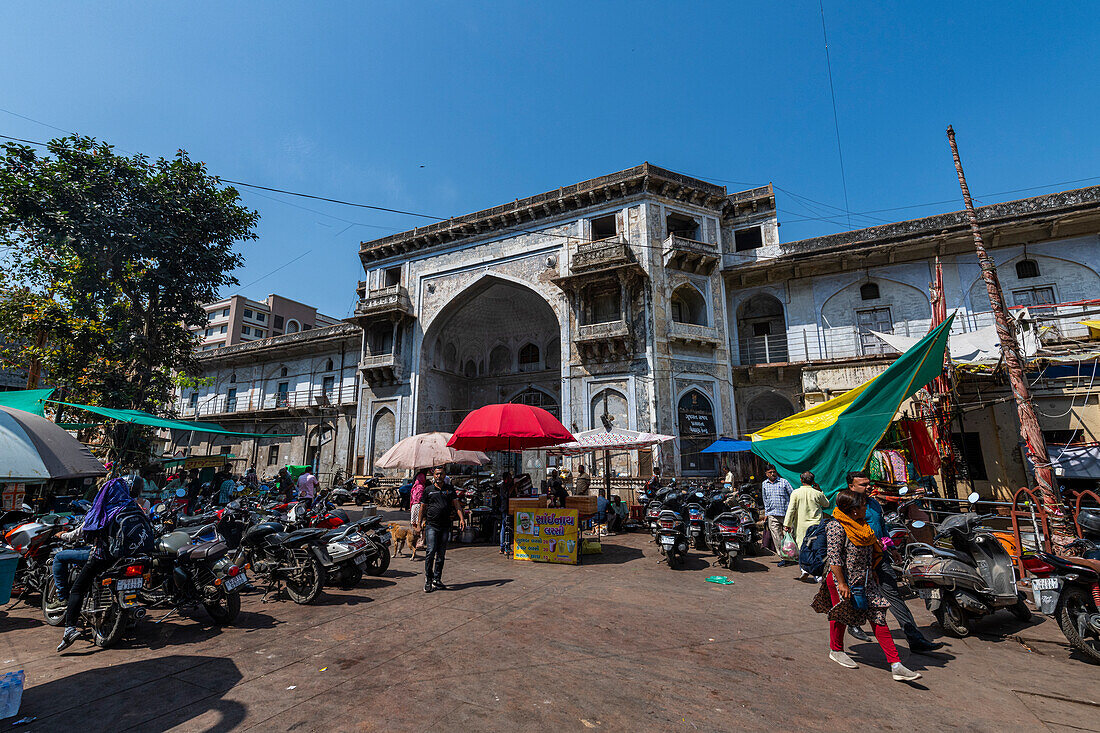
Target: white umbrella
column 427, row 450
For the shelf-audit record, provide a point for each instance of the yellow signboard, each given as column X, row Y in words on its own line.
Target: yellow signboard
column 546, row 535
column 205, row 461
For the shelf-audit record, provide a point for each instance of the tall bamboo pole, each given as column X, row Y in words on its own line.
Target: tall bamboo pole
column 1030, row 431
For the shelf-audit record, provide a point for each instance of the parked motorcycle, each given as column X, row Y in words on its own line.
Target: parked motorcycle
column 35, row 539
column 112, row 600
column 972, row 576
column 185, row 574
column 356, row 548
column 1071, row 592
column 295, row 560
column 697, row 529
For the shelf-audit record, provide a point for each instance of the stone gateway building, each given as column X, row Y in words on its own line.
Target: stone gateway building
column 660, row 302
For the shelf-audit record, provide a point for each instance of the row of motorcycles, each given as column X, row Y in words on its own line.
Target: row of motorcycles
column 202, row 560
column 717, row 519
column 963, row 571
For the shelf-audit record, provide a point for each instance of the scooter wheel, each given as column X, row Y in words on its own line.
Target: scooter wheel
column 953, row 619
column 1021, row 610
column 674, row 560
column 360, row 500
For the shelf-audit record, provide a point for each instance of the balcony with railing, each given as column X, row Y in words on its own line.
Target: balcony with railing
column 689, row 255
column 381, row 369
column 602, row 254
column 604, row 341
column 248, row 403
column 389, row 302
column 693, row 334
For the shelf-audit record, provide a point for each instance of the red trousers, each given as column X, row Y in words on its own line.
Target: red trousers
column 837, row 629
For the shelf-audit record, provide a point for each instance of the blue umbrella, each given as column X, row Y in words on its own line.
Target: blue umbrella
column 728, row 445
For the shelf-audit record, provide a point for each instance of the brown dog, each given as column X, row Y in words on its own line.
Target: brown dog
column 404, row 537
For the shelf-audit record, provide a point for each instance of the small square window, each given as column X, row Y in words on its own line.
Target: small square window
column 259, row 332
column 225, row 313
column 391, row 277
column 604, row 227
column 247, row 313
column 223, row 329
column 246, row 330
column 261, row 317
column 277, row 322
column 746, row 239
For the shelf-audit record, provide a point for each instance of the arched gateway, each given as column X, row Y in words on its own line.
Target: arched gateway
column 508, row 333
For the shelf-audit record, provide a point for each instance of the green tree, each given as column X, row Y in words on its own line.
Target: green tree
column 106, row 262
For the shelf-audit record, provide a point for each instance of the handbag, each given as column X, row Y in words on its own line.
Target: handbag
column 859, row 593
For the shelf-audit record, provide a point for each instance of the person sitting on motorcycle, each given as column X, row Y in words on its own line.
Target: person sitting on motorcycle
column 99, row 524
column 64, row 559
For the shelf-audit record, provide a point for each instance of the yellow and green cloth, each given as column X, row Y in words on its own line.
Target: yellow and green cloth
column 838, row 436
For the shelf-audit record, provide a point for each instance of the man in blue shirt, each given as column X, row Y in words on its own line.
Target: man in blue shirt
column 776, row 492
column 859, row 482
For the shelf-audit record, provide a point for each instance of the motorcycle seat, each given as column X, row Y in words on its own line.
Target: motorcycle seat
column 207, row 551
column 1071, row 563
column 369, row 522
column 296, row 537
column 183, row 520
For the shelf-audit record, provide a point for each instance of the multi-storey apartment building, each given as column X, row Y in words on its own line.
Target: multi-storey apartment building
column 238, row 319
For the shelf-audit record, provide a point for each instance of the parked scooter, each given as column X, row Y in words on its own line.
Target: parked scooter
column 357, row 548
column 729, row 528
column 35, row 539
column 971, row 577
column 1071, row 592
column 672, row 538
column 697, row 529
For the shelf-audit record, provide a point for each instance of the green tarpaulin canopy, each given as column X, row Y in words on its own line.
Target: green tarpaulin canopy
column 138, row 417
column 27, row 400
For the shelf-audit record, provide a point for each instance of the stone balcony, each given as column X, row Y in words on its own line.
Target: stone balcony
column 390, row 302
column 381, row 369
column 603, row 254
column 693, row 334
column 605, row 341
column 689, row 255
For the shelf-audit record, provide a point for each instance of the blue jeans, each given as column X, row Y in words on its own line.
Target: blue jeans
column 435, row 552
column 503, row 530
column 61, row 562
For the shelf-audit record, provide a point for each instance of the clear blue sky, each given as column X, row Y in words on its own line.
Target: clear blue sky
column 446, row 108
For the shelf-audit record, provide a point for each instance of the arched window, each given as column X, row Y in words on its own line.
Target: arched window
column 1026, row 269
column 688, row 306
column 283, row 372
column 768, row 408
column 328, row 365
column 470, row 370
column 233, row 378
column 868, row 291
column 609, row 410
column 383, row 433
column 529, row 358
column 450, row 358
column 500, row 360
column 538, row 398
column 761, row 330
column 292, row 326
column 695, row 419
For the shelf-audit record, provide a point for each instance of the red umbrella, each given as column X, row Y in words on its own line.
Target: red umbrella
column 508, row 427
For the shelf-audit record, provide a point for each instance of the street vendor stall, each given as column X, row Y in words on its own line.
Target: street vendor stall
column 541, row 533
column 607, row 441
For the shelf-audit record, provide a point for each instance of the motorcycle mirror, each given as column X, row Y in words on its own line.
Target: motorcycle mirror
column 974, row 497
column 917, row 524
column 903, row 491
column 181, row 493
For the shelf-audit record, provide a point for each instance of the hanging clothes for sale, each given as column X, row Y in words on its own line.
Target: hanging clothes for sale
column 898, row 472
column 921, row 447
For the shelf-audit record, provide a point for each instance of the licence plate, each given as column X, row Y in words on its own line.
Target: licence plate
column 732, row 546
column 667, row 541
column 236, row 581
column 129, row 584
column 361, row 559
column 1044, row 583
column 929, row 593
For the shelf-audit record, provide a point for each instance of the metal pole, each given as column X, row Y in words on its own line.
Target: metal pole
column 1030, row 431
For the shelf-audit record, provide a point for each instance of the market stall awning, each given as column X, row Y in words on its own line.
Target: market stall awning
column 27, row 400
column 137, row 417
column 728, row 445
column 1075, row 461
column 34, row 449
column 838, row 436
column 599, row 439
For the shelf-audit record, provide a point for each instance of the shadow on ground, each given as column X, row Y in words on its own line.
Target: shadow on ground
column 79, row 701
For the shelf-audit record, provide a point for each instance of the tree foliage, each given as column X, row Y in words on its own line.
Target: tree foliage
column 107, row 260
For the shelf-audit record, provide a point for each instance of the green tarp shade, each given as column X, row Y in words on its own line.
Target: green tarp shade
column 138, row 417
column 27, row 400
column 78, row 425
column 832, row 445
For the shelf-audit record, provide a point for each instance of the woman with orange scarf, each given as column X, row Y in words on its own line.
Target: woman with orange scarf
column 853, row 552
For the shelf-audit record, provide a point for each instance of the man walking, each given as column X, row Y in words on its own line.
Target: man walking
column 804, row 511
column 436, row 503
column 777, row 495
column 859, row 482
column 307, row 487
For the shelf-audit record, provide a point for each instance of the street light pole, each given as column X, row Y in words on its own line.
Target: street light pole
column 1030, row 431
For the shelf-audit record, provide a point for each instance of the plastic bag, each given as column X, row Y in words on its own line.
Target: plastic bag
column 788, row 550
column 11, row 693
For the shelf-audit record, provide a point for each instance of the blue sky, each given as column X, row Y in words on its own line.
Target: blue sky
column 446, row 108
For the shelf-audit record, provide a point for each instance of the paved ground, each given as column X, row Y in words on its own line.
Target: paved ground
column 618, row 643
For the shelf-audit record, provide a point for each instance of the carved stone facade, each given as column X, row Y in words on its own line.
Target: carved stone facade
column 668, row 304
